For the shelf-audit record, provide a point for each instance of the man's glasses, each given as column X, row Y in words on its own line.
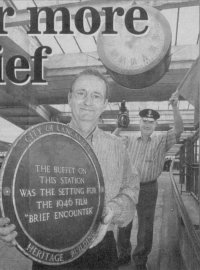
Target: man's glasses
column 95, row 97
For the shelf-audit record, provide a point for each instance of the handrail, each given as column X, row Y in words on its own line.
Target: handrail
column 191, row 233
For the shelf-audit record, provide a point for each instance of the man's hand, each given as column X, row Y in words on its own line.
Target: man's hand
column 107, row 219
column 178, row 122
column 7, row 231
column 174, row 99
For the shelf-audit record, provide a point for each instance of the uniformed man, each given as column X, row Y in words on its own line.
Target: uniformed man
column 147, row 152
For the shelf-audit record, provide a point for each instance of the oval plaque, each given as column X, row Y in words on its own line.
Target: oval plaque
column 53, row 191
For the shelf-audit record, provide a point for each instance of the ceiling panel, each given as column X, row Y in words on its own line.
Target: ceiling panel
column 188, row 28
column 56, row 91
column 47, row 3
column 50, row 41
column 188, row 25
column 23, row 4
column 68, row 44
column 86, row 43
column 171, row 16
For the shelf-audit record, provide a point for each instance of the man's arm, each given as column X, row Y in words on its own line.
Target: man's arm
column 178, row 122
column 121, row 209
column 124, row 204
column 117, row 131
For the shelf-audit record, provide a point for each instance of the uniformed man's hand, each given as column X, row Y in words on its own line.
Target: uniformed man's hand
column 107, row 219
column 174, row 99
column 7, row 231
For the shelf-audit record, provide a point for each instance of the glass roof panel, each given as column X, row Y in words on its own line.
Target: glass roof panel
column 61, row 107
column 9, row 132
column 86, row 43
column 188, row 28
column 50, row 41
column 188, row 25
column 171, row 16
column 24, row 4
column 47, row 3
column 68, row 43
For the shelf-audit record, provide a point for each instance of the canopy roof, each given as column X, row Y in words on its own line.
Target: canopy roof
column 28, row 105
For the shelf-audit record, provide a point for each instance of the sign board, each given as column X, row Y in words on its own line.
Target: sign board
column 53, row 191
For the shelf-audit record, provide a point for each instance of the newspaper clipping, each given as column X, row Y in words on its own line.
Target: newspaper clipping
column 99, row 137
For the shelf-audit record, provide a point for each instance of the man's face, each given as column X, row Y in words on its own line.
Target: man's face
column 147, row 127
column 87, row 100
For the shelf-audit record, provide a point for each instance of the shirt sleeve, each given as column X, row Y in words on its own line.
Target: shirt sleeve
column 170, row 139
column 124, row 204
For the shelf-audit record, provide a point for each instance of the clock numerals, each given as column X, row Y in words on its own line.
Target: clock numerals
column 133, row 62
column 135, row 56
column 146, row 60
column 130, row 52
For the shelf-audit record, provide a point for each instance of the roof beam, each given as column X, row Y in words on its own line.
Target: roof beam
column 56, row 91
column 22, row 16
column 132, row 127
column 162, row 90
column 182, row 57
column 24, row 120
column 108, row 117
column 8, row 111
column 41, row 111
column 169, row 4
column 28, row 44
column 112, row 114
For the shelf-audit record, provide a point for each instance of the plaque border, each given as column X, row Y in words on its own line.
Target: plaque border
column 79, row 139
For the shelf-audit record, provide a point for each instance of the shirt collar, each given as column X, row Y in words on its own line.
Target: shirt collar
column 90, row 136
column 139, row 137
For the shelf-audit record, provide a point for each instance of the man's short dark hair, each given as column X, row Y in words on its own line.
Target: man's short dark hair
column 95, row 73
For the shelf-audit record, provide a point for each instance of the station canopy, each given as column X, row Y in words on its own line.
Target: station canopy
column 24, row 106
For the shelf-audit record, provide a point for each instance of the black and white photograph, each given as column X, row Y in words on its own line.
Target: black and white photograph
column 99, row 135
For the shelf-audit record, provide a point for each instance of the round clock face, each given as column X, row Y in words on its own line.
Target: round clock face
column 127, row 53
